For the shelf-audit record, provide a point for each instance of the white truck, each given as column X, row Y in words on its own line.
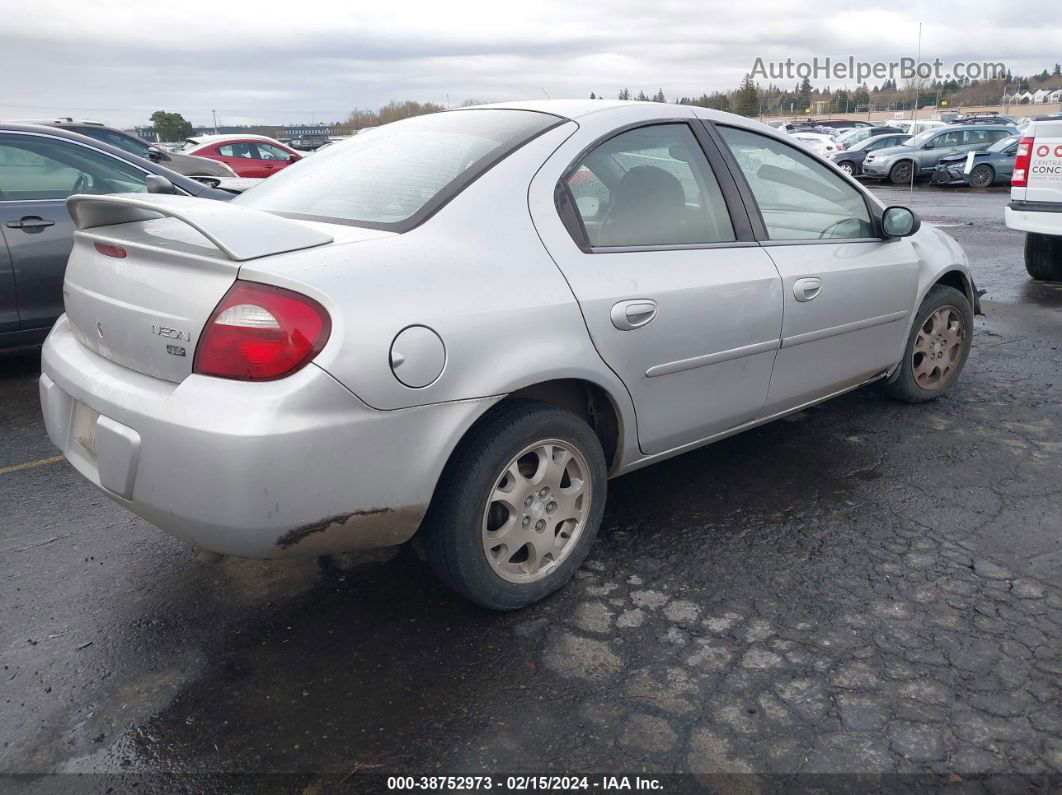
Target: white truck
column 1036, row 197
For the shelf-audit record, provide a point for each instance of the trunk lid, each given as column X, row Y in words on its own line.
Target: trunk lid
column 146, row 272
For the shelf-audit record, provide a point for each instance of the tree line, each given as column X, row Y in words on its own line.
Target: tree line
column 751, row 99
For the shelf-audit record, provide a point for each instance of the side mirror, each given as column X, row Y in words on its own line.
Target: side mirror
column 159, row 184
column 294, row 158
column 899, row 222
column 928, row 145
column 156, row 155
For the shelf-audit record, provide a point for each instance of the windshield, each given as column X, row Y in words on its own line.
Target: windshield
column 1003, row 143
column 922, row 138
column 393, row 176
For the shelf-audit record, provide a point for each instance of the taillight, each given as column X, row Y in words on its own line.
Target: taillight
column 259, row 333
column 108, row 250
column 1020, row 177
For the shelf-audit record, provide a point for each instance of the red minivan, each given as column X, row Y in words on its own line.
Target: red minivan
column 248, row 156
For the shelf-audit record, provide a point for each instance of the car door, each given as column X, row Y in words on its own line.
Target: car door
column 679, row 300
column 37, row 173
column 8, row 296
column 272, row 158
column 241, row 157
column 945, row 143
column 847, row 292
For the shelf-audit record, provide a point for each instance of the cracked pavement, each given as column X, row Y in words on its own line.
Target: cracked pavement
column 865, row 587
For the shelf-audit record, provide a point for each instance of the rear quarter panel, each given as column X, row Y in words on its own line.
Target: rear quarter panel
column 476, row 273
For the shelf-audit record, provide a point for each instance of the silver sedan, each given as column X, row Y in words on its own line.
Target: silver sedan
column 462, row 325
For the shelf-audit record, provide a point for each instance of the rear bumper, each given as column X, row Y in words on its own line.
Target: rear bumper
column 292, row 467
column 1040, row 221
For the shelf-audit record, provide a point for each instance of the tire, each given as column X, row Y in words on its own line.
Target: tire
column 931, row 348
column 982, row 176
column 464, row 521
column 900, row 174
column 848, row 167
column 1043, row 257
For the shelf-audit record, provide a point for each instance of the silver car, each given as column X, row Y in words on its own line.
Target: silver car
column 463, row 324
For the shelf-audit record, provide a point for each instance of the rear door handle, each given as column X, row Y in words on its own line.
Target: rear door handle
column 630, row 315
column 806, row 289
column 30, row 222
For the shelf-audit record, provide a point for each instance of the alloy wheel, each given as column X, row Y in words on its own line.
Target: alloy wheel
column 536, row 511
column 981, row 177
column 938, row 347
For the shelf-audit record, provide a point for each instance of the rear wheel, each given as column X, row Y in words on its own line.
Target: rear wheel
column 519, row 506
column 982, row 176
column 936, row 349
column 1043, row 257
column 900, row 174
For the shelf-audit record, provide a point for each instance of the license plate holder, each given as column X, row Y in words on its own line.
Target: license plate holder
column 83, row 427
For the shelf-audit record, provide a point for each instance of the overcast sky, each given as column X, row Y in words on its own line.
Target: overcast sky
column 315, row 60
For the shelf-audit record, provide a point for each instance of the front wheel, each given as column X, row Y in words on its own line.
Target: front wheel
column 1043, row 257
column 982, row 176
column 518, row 507
column 847, row 167
column 901, row 173
column 936, row 349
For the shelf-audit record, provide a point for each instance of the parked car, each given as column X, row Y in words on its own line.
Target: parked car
column 852, row 137
column 247, row 155
column 851, row 158
column 988, row 118
column 39, row 168
column 839, row 124
column 822, row 145
column 916, row 126
column 189, row 165
column 979, row 169
column 1036, row 197
column 486, row 313
column 919, row 156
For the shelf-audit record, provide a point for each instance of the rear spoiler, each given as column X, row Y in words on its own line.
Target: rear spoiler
column 240, row 233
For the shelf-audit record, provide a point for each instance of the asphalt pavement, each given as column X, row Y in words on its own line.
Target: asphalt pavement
column 865, row 587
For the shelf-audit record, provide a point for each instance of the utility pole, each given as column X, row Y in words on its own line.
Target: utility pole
column 215, row 115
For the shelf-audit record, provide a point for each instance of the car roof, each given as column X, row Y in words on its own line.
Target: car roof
column 181, row 181
column 210, row 139
column 60, row 122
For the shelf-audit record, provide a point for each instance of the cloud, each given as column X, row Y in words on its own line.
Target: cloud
column 265, row 61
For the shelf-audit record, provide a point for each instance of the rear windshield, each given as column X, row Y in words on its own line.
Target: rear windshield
column 392, row 177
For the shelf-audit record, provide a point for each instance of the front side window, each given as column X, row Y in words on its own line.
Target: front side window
column 34, row 167
column 393, row 176
column 271, row 152
column 651, row 186
column 953, row 138
column 799, row 197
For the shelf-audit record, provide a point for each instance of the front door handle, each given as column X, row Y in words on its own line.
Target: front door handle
column 807, row 289
column 30, row 222
column 629, row 315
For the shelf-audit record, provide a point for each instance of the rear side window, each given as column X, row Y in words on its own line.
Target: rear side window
column 238, row 149
column 128, row 143
column 394, row 176
column 651, row 186
column 34, row 167
column 799, row 197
